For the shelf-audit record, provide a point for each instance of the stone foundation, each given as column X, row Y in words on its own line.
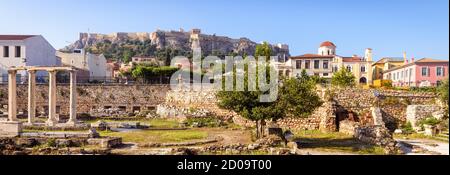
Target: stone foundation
column 10, row 129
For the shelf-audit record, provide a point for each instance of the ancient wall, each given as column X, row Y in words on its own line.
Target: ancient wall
column 415, row 113
column 125, row 97
column 204, row 102
column 392, row 103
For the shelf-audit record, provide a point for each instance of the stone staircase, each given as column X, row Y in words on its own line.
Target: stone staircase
column 442, row 136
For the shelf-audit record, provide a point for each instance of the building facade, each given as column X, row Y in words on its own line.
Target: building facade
column 326, row 62
column 91, row 66
column 421, row 73
column 25, row 50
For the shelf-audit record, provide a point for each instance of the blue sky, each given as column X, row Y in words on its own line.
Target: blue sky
column 389, row 27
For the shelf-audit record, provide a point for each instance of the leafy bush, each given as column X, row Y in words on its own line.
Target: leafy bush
column 430, row 120
column 407, row 128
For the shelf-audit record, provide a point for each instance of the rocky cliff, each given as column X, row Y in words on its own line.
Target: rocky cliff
column 180, row 40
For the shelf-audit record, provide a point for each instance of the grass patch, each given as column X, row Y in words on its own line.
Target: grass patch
column 419, row 136
column 335, row 142
column 154, row 123
column 149, row 136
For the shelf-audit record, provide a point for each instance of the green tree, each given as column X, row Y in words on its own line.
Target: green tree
column 296, row 98
column 263, row 50
column 343, row 78
column 442, row 91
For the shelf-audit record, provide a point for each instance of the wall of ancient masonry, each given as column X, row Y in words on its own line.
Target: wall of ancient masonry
column 415, row 113
column 126, row 97
column 185, row 101
column 358, row 101
column 392, row 103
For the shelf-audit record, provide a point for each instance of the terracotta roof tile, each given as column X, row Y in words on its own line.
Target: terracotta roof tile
column 15, row 37
column 327, row 44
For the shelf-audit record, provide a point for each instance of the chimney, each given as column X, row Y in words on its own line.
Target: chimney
column 412, row 60
column 405, row 60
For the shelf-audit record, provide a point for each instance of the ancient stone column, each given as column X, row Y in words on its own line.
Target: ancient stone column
column 52, row 98
column 31, row 96
column 12, row 94
column 73, row 98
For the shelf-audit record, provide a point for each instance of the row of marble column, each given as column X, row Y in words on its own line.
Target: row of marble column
column 52, row 119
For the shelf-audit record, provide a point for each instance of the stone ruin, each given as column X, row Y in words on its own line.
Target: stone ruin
column 13, row 127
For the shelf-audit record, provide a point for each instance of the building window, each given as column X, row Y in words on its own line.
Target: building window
column 307, row 64
column 393, row 77
column 440, row 71
column 363, row 68
column 424, row 71
column 18, row 51
column 5, row 51
column 349, row 68
column 335, row 68
column 406, row 73
column 298, row 64
column 325, row 74
column 410, row 72
column 401, row 75
column 316, row 64
column 325, row 64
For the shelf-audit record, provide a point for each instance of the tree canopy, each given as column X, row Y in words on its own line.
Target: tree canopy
column 343, row 78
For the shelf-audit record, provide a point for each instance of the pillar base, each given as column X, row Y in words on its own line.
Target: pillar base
column 72, row 122
column 10, row 128
column 51, row 122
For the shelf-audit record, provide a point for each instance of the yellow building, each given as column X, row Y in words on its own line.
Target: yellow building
column 385, row 64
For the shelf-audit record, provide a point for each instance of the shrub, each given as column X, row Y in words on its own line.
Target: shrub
column 430, row 120
column 407, row 128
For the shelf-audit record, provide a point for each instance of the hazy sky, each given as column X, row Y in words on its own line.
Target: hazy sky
column 389, row 27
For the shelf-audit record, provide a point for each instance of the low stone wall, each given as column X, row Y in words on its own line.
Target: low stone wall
column 183, row 103
column 376, row 135
column 127, row 98
column 415, row 113
column 348, row 127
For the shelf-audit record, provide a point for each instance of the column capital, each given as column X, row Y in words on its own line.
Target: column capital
column 52, row 71
column 31, row 71
column 12, row 71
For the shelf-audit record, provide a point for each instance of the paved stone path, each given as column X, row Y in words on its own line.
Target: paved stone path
column 428, row 147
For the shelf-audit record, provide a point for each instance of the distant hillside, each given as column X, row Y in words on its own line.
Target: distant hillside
column 167, row 44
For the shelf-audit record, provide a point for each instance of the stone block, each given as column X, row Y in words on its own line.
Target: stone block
column 10, row 129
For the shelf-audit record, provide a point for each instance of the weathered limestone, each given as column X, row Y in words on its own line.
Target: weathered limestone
column 52, row 98
column 415, row 113
column 31, row 96
column 12, row 94
column 377, row 116
column 73, row 99
column 10, row 128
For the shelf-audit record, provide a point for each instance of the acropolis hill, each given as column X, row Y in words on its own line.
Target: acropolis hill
column 180, row 40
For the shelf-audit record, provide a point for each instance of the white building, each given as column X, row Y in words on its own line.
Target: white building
column 91, row 66
column 25, row 50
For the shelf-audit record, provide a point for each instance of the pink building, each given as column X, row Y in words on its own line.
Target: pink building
column 421, row 73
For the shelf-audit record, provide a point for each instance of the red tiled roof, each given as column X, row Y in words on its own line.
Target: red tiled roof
column 430, row 60
column 423, row 60
column 352, row 59
column 312, row 56
column 15, row 37
column 327, row 44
